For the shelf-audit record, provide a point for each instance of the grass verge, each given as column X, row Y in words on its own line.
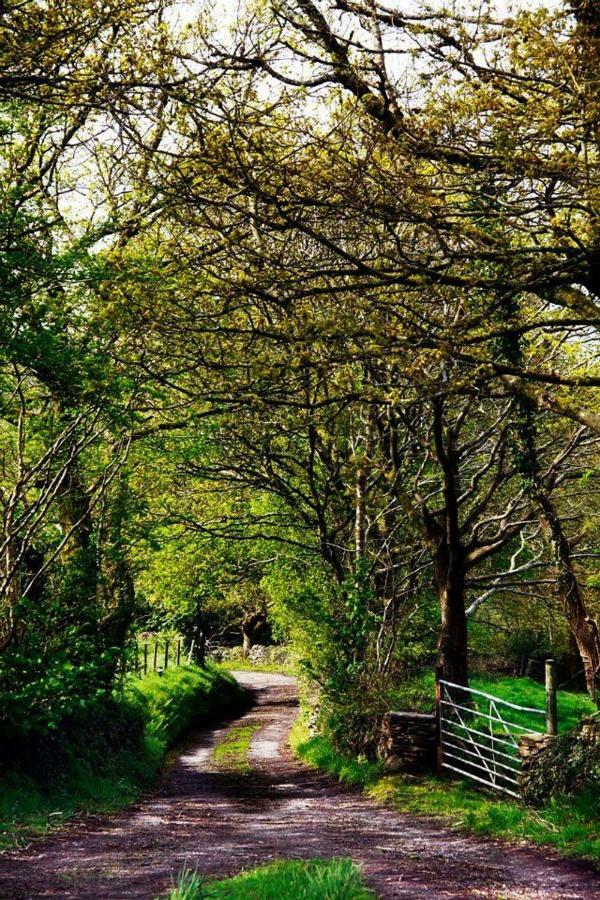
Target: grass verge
column 318, row 879
column 232, row 751
column 179, row 698
column 246, row 665
column 568, row 824
column 320, row 754
column 102, row 761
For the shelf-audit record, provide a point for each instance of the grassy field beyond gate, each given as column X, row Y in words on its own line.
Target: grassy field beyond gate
column 419, row 694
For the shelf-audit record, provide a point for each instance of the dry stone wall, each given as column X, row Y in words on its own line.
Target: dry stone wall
column 408, row 741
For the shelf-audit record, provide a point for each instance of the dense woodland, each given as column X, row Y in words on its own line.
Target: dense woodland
column 299, row 340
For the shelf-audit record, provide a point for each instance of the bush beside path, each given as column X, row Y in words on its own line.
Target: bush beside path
column 104, row 758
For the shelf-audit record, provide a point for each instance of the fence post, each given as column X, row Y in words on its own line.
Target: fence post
column 179, row 653
column 166, row 655
column 145, row 659
column 155, row 661
column 137, row 658
column 551, row 702
column 191, row 653
column 439, row 671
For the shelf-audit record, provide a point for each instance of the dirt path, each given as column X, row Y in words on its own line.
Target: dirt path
column 220, row 823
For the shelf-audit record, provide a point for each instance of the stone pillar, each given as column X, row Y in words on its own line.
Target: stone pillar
column 408, row 741
column 530, row 746
column 589, row 729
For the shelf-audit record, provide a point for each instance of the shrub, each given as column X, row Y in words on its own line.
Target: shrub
column 100, row 757
column 39, row 689
column 174, row 700
column 569, row 765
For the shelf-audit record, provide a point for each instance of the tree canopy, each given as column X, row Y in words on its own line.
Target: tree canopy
column 300, row 323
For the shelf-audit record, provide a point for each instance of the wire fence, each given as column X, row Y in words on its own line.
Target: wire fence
column 159, row 655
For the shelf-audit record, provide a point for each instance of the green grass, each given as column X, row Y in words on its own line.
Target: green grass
column 418, row 694
column 180, row 697
column 568, row 824
column 29, row 807
column 319, row 753
column 318, row 879
column 103, row 762
column 232, row 751
column 245, row 665
column 526, row 692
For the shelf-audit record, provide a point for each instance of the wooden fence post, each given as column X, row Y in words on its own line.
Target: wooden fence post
column 439, row 671
column 191, row 653
column 145, row 659
column 551, row 699
column 179, row 652
column 166, row 655
column 155, row 655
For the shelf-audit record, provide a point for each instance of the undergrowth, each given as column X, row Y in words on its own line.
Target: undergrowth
column 319, row 879
column 103, row 759
column 320, row 753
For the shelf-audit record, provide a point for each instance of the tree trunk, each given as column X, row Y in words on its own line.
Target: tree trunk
column 251, row 627
column 571, row 664
column 119, row 616
column 583, row 628
column 200, row 649
column 363, row 453
column 115, row 624
column 449, row 577
column 11, row 576
column 77, row 522
column 360, row 515
column 449, row 559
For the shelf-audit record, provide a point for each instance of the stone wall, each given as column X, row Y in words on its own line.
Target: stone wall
column 259, row 654
column 530, row 746
column 408, row 741
column 590, row 729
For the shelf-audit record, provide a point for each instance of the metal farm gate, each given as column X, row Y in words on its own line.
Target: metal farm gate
column 479, row 734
